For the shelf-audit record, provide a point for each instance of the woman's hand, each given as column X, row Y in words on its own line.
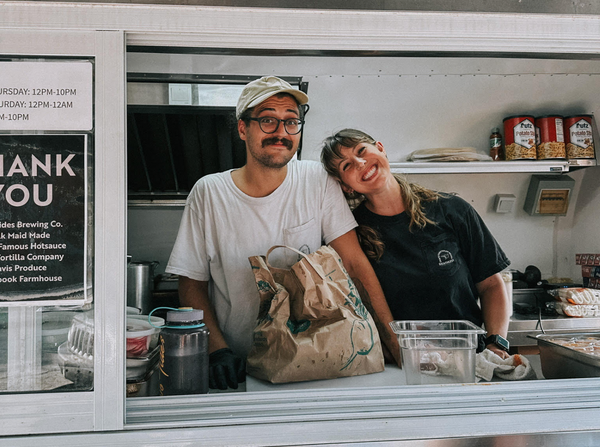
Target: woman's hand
column 499, row 352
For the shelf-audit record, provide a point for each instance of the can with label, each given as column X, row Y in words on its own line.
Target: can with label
column 549, row 137
column 519, row 138
column 579, row 138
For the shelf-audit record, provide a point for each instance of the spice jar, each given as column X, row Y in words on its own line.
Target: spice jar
column 496, row 145
column 519, row 138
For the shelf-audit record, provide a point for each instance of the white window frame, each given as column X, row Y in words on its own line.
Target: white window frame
column 102, row 408
column 316, row 416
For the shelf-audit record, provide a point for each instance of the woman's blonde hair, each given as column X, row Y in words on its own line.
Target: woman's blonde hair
column 413, row 195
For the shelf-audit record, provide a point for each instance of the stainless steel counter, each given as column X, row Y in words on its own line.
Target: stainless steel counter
column 521, row 326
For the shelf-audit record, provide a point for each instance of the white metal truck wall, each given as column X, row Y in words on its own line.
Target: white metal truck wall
column 412, row 103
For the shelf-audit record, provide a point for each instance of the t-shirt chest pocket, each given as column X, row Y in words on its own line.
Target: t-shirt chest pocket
column 442, row 255
column 305, row 237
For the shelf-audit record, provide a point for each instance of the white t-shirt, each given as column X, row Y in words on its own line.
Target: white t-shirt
column 221, row 227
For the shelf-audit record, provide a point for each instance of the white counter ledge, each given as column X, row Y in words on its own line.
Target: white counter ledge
column 391, row 376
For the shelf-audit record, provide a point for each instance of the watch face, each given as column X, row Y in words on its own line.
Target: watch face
column 499, row 341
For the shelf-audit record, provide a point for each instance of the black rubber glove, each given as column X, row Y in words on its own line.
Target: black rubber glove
column 225, row 369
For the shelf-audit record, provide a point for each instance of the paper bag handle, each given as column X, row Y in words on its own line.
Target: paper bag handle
column 296, row 251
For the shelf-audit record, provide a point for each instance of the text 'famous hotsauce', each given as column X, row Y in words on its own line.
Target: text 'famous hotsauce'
column 519, row 138
column 549, row 137
column 579, row 137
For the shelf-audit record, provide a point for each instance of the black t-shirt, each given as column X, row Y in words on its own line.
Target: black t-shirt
column 430, row 274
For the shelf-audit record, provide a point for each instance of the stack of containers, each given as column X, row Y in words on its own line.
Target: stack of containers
column 578, row 302
column 76, row 355
column 581, row 301
column 590, row 269
column 548, row 137
column 142, row 354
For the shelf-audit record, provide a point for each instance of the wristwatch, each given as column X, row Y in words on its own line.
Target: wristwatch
column 499, row 341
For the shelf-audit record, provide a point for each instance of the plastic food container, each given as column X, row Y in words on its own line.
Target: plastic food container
column 139, row 335
column 55, row 329
column 437, row 352
column 76, row 355
column 157, row 322
column 80, row 340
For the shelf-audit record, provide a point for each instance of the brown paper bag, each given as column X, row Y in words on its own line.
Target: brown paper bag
column 312, row 323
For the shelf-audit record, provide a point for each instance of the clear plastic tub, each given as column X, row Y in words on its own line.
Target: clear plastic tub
column 55, row 329
column 437, row 352
column 139, row 334
column 76, row 355
column 156, row 322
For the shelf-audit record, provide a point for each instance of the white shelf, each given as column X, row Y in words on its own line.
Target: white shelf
column 533, row 166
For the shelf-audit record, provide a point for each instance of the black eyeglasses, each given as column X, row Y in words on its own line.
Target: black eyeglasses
column 267, row 124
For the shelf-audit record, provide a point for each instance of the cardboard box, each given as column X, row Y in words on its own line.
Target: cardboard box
column 590, row 271
column 591, row 283
column 587, row 259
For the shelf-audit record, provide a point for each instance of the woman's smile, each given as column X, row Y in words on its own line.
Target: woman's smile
column 370, row 173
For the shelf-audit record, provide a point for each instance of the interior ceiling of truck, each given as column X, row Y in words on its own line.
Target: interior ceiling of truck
column 516, row 6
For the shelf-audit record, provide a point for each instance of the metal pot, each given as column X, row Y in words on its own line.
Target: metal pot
column 140, row 285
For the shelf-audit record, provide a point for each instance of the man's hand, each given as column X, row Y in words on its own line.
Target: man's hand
column 226, row 369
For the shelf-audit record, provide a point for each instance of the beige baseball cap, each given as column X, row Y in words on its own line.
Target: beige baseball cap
column 258, row 90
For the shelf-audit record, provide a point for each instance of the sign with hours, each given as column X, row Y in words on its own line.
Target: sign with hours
column 46, row 131
column 46, row 95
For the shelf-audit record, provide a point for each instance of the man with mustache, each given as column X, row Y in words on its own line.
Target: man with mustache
column 271, row 200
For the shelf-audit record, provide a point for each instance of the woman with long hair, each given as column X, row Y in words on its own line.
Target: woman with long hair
column 432, row 253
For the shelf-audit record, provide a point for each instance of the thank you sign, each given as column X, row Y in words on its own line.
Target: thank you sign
column 43, row 201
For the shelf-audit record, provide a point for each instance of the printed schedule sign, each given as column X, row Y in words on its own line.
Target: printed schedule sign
column 46, row 95
column 43, row 228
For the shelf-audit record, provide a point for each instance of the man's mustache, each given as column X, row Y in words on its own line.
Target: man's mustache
column 287, row 143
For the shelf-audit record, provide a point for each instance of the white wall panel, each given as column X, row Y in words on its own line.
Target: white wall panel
column 412, row 103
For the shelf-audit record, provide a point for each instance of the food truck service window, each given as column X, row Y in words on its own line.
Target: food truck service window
column 162, row 42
